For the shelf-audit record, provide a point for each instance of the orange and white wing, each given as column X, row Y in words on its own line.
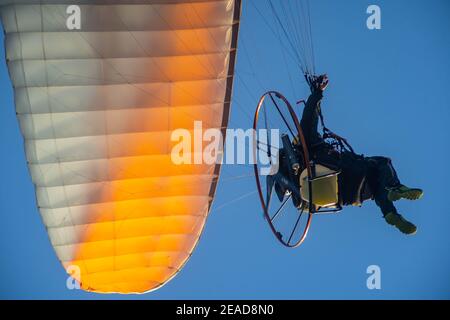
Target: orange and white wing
column 96, row 108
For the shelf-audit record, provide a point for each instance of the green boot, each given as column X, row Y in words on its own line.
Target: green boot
column 404, row 192
column 400, row 223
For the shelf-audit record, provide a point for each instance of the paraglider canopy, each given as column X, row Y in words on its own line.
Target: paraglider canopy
column 97, row 100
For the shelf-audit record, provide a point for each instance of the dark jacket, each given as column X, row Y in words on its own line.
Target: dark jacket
column 353, row 188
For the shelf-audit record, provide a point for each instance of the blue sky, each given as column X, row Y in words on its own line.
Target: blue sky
column 388, row 95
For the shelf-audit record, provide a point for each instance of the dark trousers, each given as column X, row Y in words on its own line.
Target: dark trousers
column 379, row 172
column 381, row 176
